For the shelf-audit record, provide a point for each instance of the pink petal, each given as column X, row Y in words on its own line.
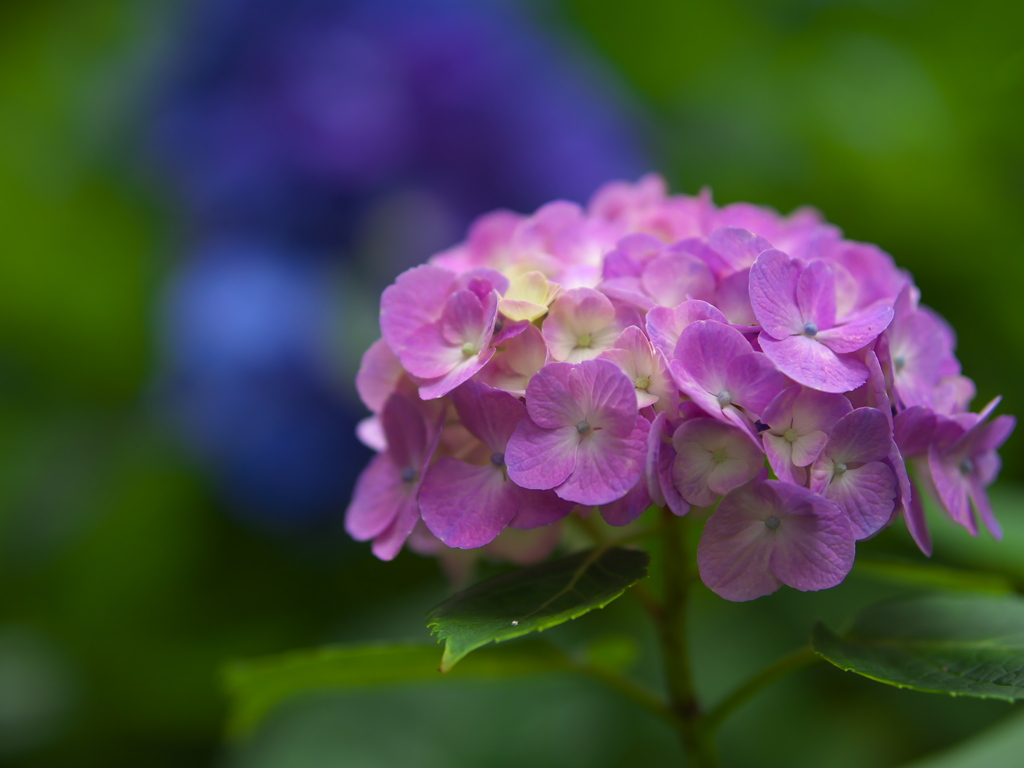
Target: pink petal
column 732, row 249
column 812, row 364
column 489, row 414
column 913, row 514
column 627, row 509
column 605, row 396
column 378, row 495
column 705, row 350
column 807, row 448
column 815, row 548
column 416, row 298
column 541, row 458
column 866, row 494
column 735, row 548
column 857, row 332
column 466, row 506
column 816, row 294
column 389, row 543
column 428, row 354
column 406, row 432
column 733, row 298
column 549, row 400
column 979, row 498
column 754, row 381
column 951, row 487
column 463, row 371
column 607, row 466
column 664, row 325
column 773, row 285
column 468, row 319
column 675, row 277
column 538, row 508
column 780, row 458
column 378, row 376
column 861, row 436
column 660, row 459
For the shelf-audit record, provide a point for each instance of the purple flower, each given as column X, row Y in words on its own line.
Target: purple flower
column 712, row 458
column 799, row 421
column 795, row 303
column 768, row 533
column 920, row 350
column 384, row 506
column 581, row 324
column 720, row 371
column 852, row 470
column 646, row 368
column 963, row 463
column 583, row 436
column 466, row 505
column 665, row 325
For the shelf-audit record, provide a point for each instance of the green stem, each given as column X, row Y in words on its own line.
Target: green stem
column 795, row 661
column 672, row 631
column 632, row 691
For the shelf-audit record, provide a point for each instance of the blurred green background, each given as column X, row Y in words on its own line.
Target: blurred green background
column 124, row 583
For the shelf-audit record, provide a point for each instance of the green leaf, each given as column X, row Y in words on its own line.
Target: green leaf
column 959, row 644
column 533, row 599
column 919, row 573
column 257, row 686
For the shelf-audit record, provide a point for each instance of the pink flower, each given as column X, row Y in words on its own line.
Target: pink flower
column 795, row 303
column 581, row 324
column 799, row 421
column 767, row 533
column 584, row 437
column 712, row 458
column 466, row 505
column 963, row 463
column 384, row 503
column 646, row 368
column 852, row 472
column 716, row 367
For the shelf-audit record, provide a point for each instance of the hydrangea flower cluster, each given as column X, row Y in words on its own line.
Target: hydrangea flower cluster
column 655, row 349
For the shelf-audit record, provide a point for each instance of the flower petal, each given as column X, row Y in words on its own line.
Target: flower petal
column 811, row 363
column 466, row 506
column 541, row 458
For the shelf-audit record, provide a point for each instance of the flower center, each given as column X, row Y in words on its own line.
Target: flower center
column 966, row 466
column 408, row 475
column 719, row 455
column 724, row 398
column 584, row 341
column 840, row 468
column 468, row 349
column 642, row 382
column 772, row 522
column 811, row 329
column 498, row 459
column 899, row 363
column 790, row 435
column 582, row 427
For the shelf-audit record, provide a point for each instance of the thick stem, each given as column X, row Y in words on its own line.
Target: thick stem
column 672, row 630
